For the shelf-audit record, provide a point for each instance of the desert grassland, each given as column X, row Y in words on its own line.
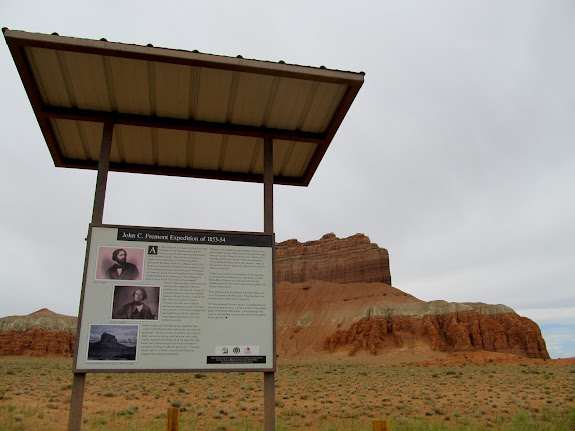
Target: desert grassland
column 35, row 392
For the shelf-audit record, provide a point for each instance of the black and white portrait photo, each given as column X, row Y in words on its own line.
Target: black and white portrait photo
column 136, row 302
column 120, row 263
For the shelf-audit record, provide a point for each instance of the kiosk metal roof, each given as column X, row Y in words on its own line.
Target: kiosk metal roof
column 180, row 112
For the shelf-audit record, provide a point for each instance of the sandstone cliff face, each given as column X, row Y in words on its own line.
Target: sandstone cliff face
column 453, row 332
column 319, row 317
column 349, row 260
column 335, row 295
column 42, row 333
column 36, row 342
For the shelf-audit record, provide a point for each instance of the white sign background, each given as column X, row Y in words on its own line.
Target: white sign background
column 205, row 290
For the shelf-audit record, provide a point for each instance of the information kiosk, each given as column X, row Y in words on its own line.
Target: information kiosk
column 156, row 299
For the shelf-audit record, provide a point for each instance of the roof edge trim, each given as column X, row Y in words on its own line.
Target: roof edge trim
column 169, row 55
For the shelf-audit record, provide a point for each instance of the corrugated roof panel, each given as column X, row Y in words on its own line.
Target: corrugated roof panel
column 172, row 151
column 253, row 94
column 92, row 138
column 214, row 94
column 239, row 153
column 67, row 131
column 281, row 152
column 290, row 148
column 294, row 94
column 88, row 88
column 85, row 135
column 131, row 84
column 190, row 148
column 257, row 158
column 134, row 145
column 180, row 112
column 207, row 151
column 117, row 151
column 47, row 72
column 172, row 90
column 326, row 100
column 300, row 156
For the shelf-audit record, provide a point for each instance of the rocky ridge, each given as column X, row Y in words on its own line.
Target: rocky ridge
column 322, row 307
column 42, row 333
column 41, row 319
column 334, row 296
column 465, row 331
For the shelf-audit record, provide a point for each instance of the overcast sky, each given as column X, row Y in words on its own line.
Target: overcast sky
column 457, row 155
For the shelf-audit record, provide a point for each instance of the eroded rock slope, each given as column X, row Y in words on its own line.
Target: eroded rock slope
column 335, row 295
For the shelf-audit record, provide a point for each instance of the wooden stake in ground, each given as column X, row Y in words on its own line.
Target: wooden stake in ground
column 172, row 424
column 381, row 425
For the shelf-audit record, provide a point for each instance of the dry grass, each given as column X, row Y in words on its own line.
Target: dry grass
column 34, row 394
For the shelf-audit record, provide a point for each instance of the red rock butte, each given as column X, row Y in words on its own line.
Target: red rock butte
column 335, row 296
column 351, row 260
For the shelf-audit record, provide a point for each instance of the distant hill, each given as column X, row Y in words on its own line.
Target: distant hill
column 43, row 319
column 42, row 333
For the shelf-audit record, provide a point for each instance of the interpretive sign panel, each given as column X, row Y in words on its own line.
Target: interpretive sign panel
column 170, row 299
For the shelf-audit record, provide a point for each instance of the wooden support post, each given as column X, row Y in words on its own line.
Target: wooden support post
column 76, row 402
column 379, row 425
column 268, row 186
column 102, row 179
column 79, row 381
column 269, row 377
column 172, row 424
